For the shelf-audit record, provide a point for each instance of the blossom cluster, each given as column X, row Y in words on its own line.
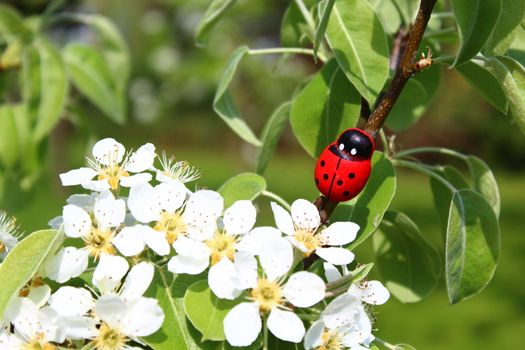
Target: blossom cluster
column 116, row 241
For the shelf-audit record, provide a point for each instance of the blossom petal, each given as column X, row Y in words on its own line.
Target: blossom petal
column 137, row 281
column 203, row 208
column 286, row 325
column 283, row 220
column 79, row 327
column 142, row 203
column 339, row 233
column 135, row 180
column 191, row 248
column 331, row 272
column 77, row 176
column 96, row 185
column 109, row 272
column 77, row 222
column 374, row 293
column 156, row 240
column 304, row 289
column 187, row 264
column 220, row 280
column 143, row 317
column 108, row 211
column 314, row 336
column 245, row 270
column 240, row 217
column 242, row 324
column 39, row 295
column 276, row 257
column 170, row 195
column 305, row 215
column 70, row 301
column 257, row 238
column 84, row 201
column 130, row 240
column 69, row 262
column 142, row 159
column 335, row 255
column 108, row 151
column 111, row 309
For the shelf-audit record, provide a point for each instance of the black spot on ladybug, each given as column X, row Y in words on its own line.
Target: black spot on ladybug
column 351, row 175
column 346, row 193
column 322, row 163
column 339, row 182
column 317, row 181
column 325, row 176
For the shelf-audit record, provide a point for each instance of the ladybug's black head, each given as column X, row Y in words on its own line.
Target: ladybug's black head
column 355, row 144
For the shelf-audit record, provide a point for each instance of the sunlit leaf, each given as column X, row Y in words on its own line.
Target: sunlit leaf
column 11, row 23
column 388, row 15
column 212, row 15
column 407, row 9
column 472, row 247
column 359, row 43
column 485, row 182
column 506, row 29
column 294, row 29
column 24, row 261
column 325, row 8
column 243, row 186
column 271, row 134
column 476, row 20
column 409, row 265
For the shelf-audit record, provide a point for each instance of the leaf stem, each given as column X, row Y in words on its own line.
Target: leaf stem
column 385, row 344
column 278, row 199
column 386, row 145
column 307, row 16
column 439, row 150
column 265, row 334
column 424, row 170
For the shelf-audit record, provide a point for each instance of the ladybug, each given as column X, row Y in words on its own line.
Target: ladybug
column 344, row 166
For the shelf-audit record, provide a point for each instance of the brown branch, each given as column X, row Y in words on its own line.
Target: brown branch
column 407, row 67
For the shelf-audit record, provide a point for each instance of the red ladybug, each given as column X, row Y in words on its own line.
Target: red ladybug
column 344, row 166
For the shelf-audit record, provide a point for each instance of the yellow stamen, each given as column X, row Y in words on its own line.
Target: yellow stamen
column 113, row 173
column 331, row 341
column 37, row 343
column 172, row 224
column 309, row 239
column 222, row 245
column 3, row 248
column 268, row 294
column 99, row 241
column 109, row 339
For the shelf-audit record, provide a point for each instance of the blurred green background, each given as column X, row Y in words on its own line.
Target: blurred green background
column 171, row 93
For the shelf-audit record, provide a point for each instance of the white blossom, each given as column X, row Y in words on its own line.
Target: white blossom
column 9, row 234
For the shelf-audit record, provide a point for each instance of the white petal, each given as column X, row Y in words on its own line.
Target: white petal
column 220, row 280
column 339, row 233
column 108, row 211
column 109, row 272
column 96, row 185
column 77, row 222
column 84, row 201
column 142, row 203
column 187, row 264
column 331, row 272
column 55, row 222
column 305, row 215
column 283, row 220
column 130, row 240
column 341, row 311
column 141, row 159
column 39, row 295
column 192, row 248
column 70, row 301
column 77, row 176
column 23, row 314
column 374, row 293
column 242, row 324
column 79, row 327
column 111, row 309
column 143, row 317
column 314, row 336
column 240, row 217
column 335, row 255
column 304, row 289
column 276, row 257
column 156, row 240
column 108, row 151
column 245, row 270
column 286, row 325
column 170, row 195
column 135, row 180
column 137, row 281
column 203, row 208
column 257, row 238
column 69, row 262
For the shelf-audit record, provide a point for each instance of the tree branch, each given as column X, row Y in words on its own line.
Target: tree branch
column 407, row 67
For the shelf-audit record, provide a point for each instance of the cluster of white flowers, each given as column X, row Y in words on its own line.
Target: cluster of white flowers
column 163, row 224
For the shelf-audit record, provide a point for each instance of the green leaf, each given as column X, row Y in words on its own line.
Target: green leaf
column 476, row 20
column 224, row 105
column 485, row 83
column 511, row 75
column 472, row 247
column 212, row 15
column 407, row 9
column 24, row 262
column 243, row 186
column 408, row 264
column 485, row 182
column 327, row 105
column 271, row 134
column 506, row 29
column 409, row 107
column 294, row 29
column 325, row 9
column 388, row 15
column 9, row 143
column 53, row 89
column 359, row 43
column 11, row 23
column 205, row 311
column 90, row 74
column 375, row 198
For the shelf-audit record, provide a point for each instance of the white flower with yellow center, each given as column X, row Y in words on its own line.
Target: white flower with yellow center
column 171, row 215
column 112, row 167
column 271, row 299
column 8, row 234
column 303, row 230
column 98, row 235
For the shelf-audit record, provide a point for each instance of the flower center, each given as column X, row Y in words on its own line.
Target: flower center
column 331, row 341
column 308, row 239
column 99, row 241
column 173, row 224
column 222, row 245
column 3, row 248
column 112, row 173
column 32, row 284
column 38, row 343
column 268, row 294
column 109, row 339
